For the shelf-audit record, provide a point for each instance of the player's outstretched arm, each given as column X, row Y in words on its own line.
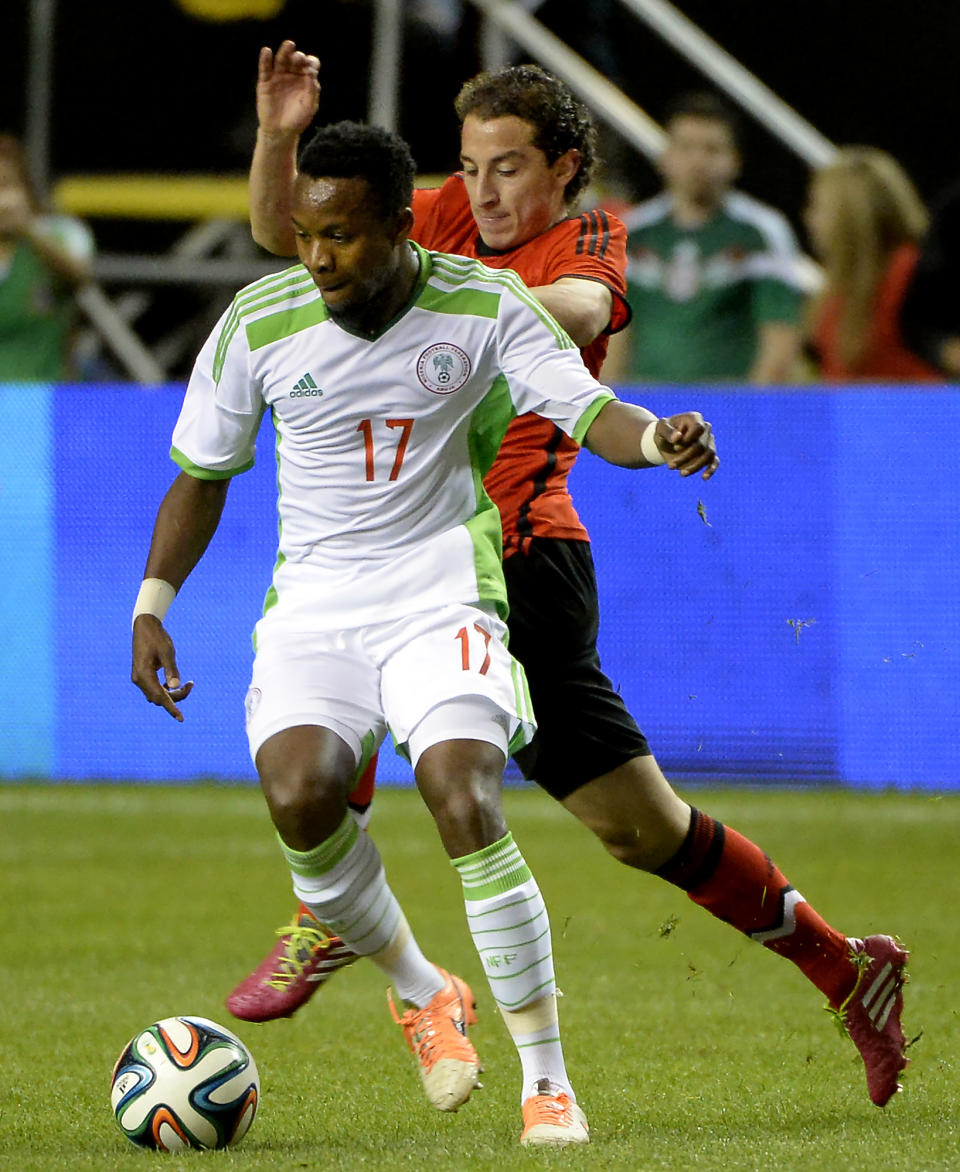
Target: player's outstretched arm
column 186, row 521
column 634, row 438
column 287, row 96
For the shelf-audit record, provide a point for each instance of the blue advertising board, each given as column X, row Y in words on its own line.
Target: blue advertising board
column 795, row 619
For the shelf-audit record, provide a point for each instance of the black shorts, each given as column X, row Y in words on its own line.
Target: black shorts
column 583, row 727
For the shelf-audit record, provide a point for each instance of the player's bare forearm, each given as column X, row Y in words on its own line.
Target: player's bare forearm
column 186, row 521
column 621, row 434
column 616, row 435
column 272, row 176
column 583, row 307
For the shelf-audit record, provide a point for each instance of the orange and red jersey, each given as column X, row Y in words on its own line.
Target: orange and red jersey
column 528, row 481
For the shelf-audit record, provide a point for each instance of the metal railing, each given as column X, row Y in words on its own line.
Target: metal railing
column 505, row 22
column 512, row 19
column 602, row 96
column 737, row 82
column 608, row 103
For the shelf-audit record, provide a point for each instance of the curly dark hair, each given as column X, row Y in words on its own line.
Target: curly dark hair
column 354, row 150
column 560, row 121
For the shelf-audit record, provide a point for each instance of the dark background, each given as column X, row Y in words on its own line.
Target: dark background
column 146, row 87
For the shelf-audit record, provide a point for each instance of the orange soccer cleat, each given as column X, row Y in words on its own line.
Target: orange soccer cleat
column 437, row 1036
column 551, row 1117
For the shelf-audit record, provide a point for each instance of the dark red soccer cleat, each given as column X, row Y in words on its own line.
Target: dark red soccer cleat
column 871, row 1014
column 303, row 959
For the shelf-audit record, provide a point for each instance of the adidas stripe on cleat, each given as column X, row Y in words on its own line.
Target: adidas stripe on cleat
column 305, row 957
column 871, row 1013
column 437, row 1037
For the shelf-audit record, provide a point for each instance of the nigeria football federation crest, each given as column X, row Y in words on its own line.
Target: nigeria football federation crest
column 443, row 368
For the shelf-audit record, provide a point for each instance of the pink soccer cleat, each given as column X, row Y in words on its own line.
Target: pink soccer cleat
column 304, row 958
column 871, row 1013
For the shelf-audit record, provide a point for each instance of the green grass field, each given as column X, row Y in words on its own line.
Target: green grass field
column 689, row 1047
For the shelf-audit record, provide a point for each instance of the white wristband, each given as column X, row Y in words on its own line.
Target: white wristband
column 648, row 445
column 154, row 598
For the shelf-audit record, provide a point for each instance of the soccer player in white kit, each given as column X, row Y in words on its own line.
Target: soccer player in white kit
column 391, row 374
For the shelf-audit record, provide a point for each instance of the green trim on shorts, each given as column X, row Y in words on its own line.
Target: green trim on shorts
column 521, row 691
column 401, row 750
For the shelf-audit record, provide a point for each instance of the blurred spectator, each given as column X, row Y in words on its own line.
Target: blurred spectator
column 865, row 221
column 713, row 276
column 930, row 317
column 43, row 259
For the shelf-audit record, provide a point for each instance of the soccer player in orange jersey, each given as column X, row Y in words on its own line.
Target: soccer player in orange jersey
column 527, row 152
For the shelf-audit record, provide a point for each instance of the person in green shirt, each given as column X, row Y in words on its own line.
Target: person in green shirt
column 43, row 260
column 713, row 276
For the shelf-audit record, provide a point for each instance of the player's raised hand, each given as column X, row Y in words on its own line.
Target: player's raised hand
column 153, row 651
column 287, row 89
column 688, row 443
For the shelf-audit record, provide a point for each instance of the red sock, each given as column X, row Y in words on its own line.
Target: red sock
column 734, row 880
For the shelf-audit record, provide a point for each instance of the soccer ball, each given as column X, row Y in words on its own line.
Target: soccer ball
column 185, row 1082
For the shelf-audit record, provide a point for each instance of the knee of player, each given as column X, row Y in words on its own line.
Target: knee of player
column 472, row 802
column 468, row 814
column 295, row 793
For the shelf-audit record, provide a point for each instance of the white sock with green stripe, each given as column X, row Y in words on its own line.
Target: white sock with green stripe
column 342, row 882
column 511, row 931
column 535, row 1030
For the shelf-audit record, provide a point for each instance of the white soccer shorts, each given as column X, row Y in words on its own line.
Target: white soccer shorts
column 364, row 682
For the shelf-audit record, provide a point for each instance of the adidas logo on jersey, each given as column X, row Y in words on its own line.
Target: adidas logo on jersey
column 305, row 388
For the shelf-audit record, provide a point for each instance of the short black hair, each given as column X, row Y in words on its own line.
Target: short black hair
column 560, row 121
column 704, row 104
column 355, row 150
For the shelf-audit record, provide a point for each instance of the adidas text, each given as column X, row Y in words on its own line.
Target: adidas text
column 305, row 388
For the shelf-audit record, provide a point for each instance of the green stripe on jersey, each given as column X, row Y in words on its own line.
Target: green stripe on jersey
column 270, row 600
column 488, row 424
column 486, row 535
column 267, row 291
column 458, row 270
column 467, row 302
column 564, row 341
column 286, row 323
column 598, row 404
column 199, row 473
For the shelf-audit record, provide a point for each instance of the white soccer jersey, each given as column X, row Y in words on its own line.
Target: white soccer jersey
column 382, row 443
